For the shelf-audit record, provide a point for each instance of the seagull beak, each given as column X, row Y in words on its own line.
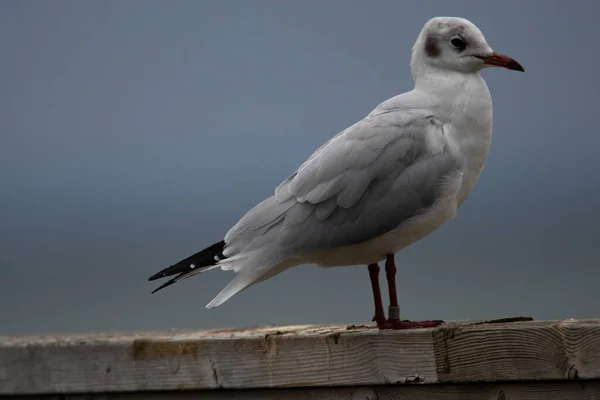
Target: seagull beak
column 500, row 60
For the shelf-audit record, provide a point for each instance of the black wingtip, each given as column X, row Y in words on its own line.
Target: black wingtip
column 160, row 274
column 205, row 258
column 164, row 285
column 201, row 259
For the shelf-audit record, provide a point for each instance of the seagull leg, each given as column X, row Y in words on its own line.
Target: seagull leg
column 394, row 309
column 390, row 274
column 379, row 317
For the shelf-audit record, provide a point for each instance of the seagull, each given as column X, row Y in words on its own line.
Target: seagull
column 379, row 185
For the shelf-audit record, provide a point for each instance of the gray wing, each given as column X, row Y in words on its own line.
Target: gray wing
column 364, row 182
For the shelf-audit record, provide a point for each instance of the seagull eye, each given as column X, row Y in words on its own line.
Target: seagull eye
column 458, row 43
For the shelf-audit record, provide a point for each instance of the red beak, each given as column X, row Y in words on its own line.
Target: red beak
column 500, row 60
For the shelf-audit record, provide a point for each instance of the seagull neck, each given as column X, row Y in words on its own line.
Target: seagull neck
column 433, row 80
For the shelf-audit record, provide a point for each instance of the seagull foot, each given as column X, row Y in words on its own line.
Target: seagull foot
column 382, row 322
column 406, row 324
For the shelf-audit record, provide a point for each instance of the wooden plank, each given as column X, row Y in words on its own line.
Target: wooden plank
column 564, row 390
column 255, row 358
column 299, row 356
column 518, row 351
column 516, row 391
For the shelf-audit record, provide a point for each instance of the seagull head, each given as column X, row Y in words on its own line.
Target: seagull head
column 456, row 44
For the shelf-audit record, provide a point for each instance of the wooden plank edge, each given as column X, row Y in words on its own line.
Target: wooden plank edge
column 572, row 346
column 547, row 390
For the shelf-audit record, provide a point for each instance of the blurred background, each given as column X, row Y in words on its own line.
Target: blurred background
column 133, row 134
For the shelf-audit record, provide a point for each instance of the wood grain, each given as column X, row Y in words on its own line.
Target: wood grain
column 509, row 391
column 516, row 391
column 258, row 358
column 518, row 351
column 320, row 357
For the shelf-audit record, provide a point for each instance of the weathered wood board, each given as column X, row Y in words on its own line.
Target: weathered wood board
column 561, row 390
column 321, row 357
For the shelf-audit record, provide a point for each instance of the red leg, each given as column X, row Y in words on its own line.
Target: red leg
column 394, row 309
column 379, row 317
column 390, row 274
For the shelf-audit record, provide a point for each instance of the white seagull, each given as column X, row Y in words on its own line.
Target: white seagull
column 379, row 185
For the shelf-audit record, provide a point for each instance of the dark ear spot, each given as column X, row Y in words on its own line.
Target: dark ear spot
column 431, row 47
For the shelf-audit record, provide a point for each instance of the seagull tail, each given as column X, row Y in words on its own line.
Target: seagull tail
column 200, row 262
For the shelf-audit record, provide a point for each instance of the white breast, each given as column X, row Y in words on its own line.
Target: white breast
column 473, row 131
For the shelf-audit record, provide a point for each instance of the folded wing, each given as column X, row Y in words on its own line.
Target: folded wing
column 364, row 182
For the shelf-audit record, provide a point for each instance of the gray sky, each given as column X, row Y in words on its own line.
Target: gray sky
column 136, row 133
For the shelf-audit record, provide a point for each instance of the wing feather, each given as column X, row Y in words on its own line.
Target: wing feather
column 364, row 182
